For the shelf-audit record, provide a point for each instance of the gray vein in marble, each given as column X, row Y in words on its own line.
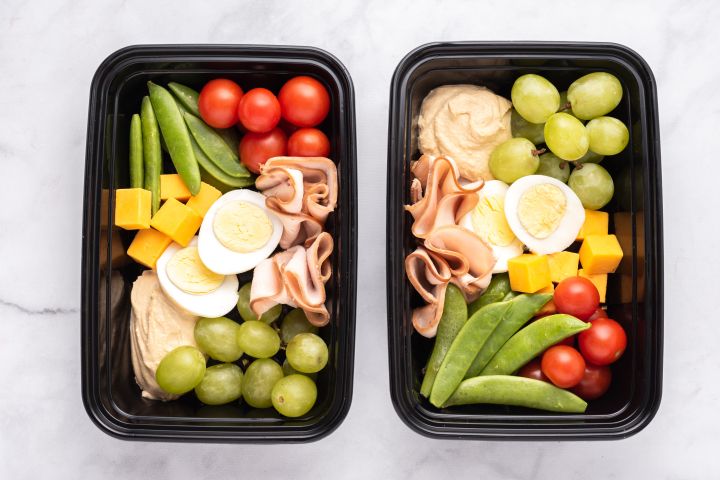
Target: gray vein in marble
column 47, row 311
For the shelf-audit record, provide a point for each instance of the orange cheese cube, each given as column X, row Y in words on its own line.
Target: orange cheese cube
column 132, row 208
column 529, row 273
column 201, row 202
column 596, row 223
column 600, row 254
column 599, row 280
column 177, row 221
column 549, row 289
column 172, row 186
column 563, row 265
column 147, row 246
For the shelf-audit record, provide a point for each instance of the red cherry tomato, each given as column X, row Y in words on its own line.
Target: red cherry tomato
column 599, row 313
column 595, row 382
column 602, row 343
column 304, row 101
column 569, row 341
column 257, row 148
column 563, row 365
column 259, row 110
column 218, row 102
column 308, row 142
column 533, row 370
column 576, row 296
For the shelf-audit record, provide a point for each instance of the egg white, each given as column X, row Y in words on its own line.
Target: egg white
column 213, row 304
column 220, row 259
column 569, row 226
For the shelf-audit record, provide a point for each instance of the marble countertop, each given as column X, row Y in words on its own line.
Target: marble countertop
column 48, row 54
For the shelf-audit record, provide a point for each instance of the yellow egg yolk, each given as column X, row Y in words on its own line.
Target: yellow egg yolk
column 541, row 209
column 489, row 223
column 187, row 272
column 242, row 227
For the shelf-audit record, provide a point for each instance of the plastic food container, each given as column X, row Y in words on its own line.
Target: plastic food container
column 110, row 395
column 635, row 292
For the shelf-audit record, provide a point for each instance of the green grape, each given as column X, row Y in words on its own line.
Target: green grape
column 535, row 98
column 294, row 396
column 566, row 136
column 289, row 370
column 594, row 94
column 221, row 384
column 524, row 129
column 608, row 135
column 258, row 339
column 307, row 353
column 295, row 322
column 181, row 370
column 513, row 159
column 593, row 185
column 217, row 337
column 589, row 157
column 260, row 378
column 552, row 166
column 564, row 107
column 246, row 314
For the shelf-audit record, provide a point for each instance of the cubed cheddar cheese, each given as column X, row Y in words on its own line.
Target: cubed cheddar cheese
column 599, row 280
column 600, row 254
column 172, row 186
column 563, row 265
column 177, row 221
column 529, row 273
column 147, row 246
column 132, row 208
column 201, row 202
column 596, row 223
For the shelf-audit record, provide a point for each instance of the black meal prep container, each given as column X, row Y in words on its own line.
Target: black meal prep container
column 110, row 395
column 635, row 293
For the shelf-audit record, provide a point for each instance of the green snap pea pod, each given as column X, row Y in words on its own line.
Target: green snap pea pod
column 531, row 341
column 522, row 308
column 212, row 175
column 517, row 391
column 510, row 295
column 454, row 316
column 463, row 350
column 230, row 136
column 152, row 155
column 136, row 153
column 495, row 292
column 215, row 147
column 186, row 96
column 176, row 136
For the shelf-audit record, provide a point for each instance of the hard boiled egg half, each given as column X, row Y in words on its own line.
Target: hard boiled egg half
column 487, row 221
column 238, row 232
column 192, row 286
column 544, row 213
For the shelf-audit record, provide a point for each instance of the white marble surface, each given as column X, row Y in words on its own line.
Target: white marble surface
column 48, row 54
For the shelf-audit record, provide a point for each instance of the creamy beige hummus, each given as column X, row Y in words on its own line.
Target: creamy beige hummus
column 464, row 122
column 156, row 327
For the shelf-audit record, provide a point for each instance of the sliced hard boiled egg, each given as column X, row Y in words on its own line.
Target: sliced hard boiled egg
column 544, row 213
column 238, row 232
column 192, row 286
column 487, row 221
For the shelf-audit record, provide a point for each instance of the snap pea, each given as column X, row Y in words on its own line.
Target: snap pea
column 531, row 341
column 522, row 308
column 215, row 147
column 176, row 136
column 186, row 96
column 463, row 350
column 212, row 175
column 454, row 316
column 136, row 152
column 517, row 391
column 495, row 292
column 152, row 156
column 510, row 295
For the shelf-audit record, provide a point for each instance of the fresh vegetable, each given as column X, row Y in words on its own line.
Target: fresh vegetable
column 218, row 102
column 176, row 136
column 260, row 378
column 181, row 370
column 186, row 96
column 307, row 353
column 604, row 342
column 258, row 339
column 152, row 154
column 308, row 142
column 454, row 316
column 533, row 370
column 212, row 175
column 217, row 337
column 531, row 341
column 599, row 313
column 258, row 148
column 221, row 384
column 496, row 291
column 243, row 306
column 216, row 149
column 136, row 153
column 259, row 110
column 294, row 395
column 563, row 365
column 594, row 383
column 304, row 101
column 518, row 391
column 535, row 98
column 576, row 296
